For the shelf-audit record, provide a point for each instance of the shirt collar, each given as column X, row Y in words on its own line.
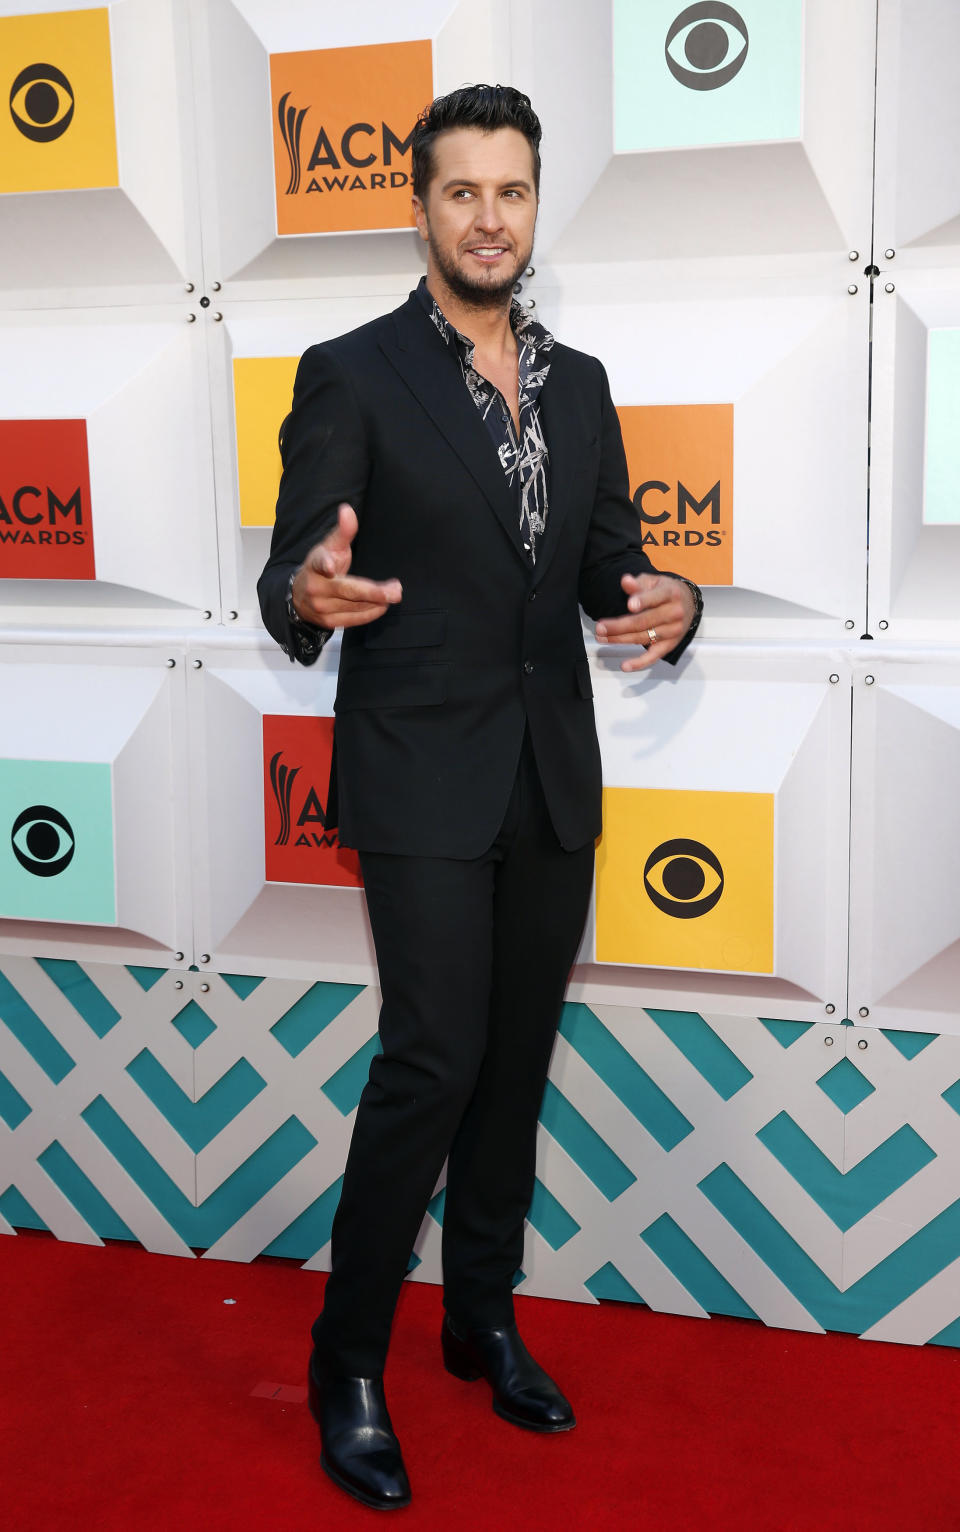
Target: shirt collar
column 527, row 330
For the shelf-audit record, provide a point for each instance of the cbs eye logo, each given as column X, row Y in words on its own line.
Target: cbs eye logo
column 43, row 841
column 698, row 45
column 41, row 103
column 683, row 878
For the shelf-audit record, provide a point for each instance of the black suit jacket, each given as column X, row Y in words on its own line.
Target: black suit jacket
column 433, row 698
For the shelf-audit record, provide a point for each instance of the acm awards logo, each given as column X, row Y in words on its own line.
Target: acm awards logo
column 699, row 42
column 343, row 124
column 58, row 131
column 301, row 846
column 46, row 531
column 680, row 460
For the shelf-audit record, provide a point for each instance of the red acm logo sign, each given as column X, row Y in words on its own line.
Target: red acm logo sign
column 298, row 845
column 46, row 531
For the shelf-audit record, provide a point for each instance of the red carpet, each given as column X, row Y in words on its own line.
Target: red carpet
column 134, row 1397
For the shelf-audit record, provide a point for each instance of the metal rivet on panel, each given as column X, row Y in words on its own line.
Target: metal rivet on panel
column 531, row 303
column 208, row 614
column 171, row 664
column 862, row 1042
column 204, row 302
column 864, row 1010
column 198, row 664
column 889, row 287
column 178, row 984
column 834, row 679
column 217, row 317
column 883, row 623
column 868, row 680
column 178, row 956
column 191, row 319
column 204, row 989
column 215, row 286
column 531, row 271
column 849, row 623
column 233, row 616
column 189, row 287
column 830, row 1009
column 518, row 287
column 204, row 957
column 853, row 288
column 888, row 255
column 828, row 1041
column 854, row 255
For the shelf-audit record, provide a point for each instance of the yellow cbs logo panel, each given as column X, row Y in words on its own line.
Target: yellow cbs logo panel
column 680, row 459
column 58, row 132
column 685, row 880
column 342, row 125
column 262, row 391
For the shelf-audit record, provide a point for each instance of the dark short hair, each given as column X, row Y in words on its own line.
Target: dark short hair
column 486, row 107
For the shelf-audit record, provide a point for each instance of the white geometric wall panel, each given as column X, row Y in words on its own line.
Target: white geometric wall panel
column 760, row 745
column 235, row 43
column 804, row 1175
column 763, row 148
column 905, row 843
column 789, row 354
column 108, row 203
column 915, row 476
column 918, row 114
column 243, row 921
column 136, row 380
column 94, row 847
column 277, row 334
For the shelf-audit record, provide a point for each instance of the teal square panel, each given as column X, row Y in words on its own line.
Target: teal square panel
column 845, row 1086
column 705, row 74
column 941, row 488
column 56, row 842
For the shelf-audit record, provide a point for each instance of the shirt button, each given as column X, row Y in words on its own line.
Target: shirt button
column 532, row 596
column 528, row 667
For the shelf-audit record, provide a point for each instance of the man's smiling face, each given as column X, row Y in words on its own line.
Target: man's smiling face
column 478, row 215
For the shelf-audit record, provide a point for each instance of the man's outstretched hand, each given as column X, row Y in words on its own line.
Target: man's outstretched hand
column 661, row 610
column 324, row 590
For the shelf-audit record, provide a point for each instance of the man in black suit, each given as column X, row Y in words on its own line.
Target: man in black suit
column 454, row 490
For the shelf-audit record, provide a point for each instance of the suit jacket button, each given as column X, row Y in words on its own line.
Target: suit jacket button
column 528, row 667
column 532, row 596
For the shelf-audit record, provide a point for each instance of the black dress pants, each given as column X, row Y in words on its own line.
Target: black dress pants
column 473, row 959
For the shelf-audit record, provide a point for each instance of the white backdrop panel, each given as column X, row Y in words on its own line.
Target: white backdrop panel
column 138, row 237
column 138, row 377
column 905, row 842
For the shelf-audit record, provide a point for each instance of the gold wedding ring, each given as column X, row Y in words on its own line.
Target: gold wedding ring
column 652, row 635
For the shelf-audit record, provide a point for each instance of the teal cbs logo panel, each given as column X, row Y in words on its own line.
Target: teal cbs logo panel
column 56, row 841
column 709, row 73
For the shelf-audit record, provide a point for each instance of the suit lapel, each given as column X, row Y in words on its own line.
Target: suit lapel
column 432, row 373
column 562, row 436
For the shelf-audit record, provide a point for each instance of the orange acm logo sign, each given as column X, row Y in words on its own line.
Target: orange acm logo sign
column 680, row 459
column 342, row 125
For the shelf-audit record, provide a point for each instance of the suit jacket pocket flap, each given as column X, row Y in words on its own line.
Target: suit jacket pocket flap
column 392, row 686
column 398, row 629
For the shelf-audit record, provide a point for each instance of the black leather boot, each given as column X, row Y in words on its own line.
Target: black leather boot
column 359, row 1449
column 522, row 1392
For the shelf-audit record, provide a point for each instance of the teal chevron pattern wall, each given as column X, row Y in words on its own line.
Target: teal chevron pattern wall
column 801, row 1174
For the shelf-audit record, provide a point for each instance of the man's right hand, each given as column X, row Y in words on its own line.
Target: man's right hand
column 324, row 591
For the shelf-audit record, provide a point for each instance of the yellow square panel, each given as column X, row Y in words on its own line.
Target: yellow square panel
column 685, row 880
column 59, row 133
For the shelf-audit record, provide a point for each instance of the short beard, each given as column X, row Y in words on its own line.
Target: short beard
column 477, row 295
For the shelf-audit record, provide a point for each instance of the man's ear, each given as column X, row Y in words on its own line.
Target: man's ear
column 420, row 215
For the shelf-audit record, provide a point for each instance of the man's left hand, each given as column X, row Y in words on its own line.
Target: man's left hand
column 661, row 610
